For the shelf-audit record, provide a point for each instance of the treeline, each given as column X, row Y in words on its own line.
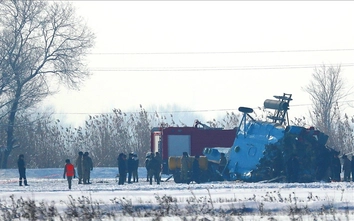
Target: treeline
column 47, row 142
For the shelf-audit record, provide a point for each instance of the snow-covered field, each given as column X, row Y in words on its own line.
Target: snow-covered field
column 236, row 200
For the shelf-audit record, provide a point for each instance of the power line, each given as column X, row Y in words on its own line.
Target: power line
column 181, row 111
column 235, row 68
column 151, row 112
column 164, row 112
column 223, row 52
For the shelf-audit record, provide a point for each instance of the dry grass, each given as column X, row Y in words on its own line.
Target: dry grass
column 192, row 208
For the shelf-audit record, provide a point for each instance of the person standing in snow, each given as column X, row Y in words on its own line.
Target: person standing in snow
column 335, row 168
column 184, row 166
column 196, row 169
column 159, row 160
column 352, row 164
column 69, row 172
column 147, row 161
column 154, row 169
column 293, row 169
column 87, row 167
column 222, row 163
column 122, row 168
column 22, row 169
column 135, row 168
column 346, row 168
column 130, row 167
column 78, row 164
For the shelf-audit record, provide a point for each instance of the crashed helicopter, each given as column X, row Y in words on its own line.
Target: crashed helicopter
column 267, row 151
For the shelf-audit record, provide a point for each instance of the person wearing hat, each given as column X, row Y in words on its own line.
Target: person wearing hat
column 78, row 164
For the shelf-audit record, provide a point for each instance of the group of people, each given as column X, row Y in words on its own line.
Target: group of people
column 128, row 166
column 83, row 163
column 84, row 166
column 195, row 176
column 192, row 172
column 153, row 165
column 335, row 169
column 347, row 168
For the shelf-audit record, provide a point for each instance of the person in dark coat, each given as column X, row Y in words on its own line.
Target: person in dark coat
column 122, row 168
column 22, row 169
column 130, row 167
column 78, row 165
column 147, row 161
column 196, row 169
column 158, row 157
column 335, row 168
column 184, row 167
column 135, row 168
column 223, row 166
column 347, row 166
column 154, row 169
column 159, row 160
column 87, row 167
column 352, row 164
column 293, row 169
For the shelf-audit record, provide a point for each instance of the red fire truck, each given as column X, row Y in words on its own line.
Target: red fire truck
column 173, row 141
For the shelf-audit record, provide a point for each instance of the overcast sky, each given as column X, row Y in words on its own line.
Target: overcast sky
column 209, row 56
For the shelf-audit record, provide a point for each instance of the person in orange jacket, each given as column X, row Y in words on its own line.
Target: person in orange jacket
column 69, row 172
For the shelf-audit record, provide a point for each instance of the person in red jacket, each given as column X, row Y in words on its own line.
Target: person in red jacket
column 69, row 172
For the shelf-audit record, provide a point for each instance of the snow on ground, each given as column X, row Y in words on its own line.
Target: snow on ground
column 276, row 198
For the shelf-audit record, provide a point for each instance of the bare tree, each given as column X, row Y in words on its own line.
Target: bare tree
column 326, row 90
column 40, row 43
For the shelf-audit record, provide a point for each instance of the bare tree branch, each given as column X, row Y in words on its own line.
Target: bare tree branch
column 326, row 90
column 39, row 41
